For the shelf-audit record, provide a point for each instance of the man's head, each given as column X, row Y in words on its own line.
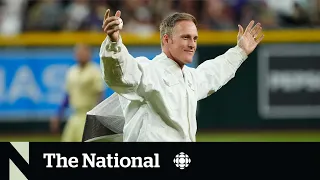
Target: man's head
column 82, row 53
column 179, row 36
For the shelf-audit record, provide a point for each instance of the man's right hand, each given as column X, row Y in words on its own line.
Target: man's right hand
column 111, row 25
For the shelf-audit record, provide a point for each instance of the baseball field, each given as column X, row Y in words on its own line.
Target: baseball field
column 209, row 136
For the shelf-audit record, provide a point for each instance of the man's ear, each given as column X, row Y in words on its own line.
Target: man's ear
column 165, row 39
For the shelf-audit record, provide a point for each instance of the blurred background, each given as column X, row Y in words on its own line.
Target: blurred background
column 275, row 95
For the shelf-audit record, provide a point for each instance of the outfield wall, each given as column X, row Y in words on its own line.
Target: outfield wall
column 278, row 86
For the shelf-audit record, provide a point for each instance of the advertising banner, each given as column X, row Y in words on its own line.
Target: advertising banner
column 32, row 79
column 289, row 81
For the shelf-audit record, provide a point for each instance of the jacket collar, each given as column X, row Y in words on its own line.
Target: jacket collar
column 170, row 65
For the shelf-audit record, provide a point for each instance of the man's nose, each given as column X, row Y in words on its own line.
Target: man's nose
column 192, row 44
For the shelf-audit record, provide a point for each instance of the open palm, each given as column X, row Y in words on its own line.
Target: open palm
column 250, row 38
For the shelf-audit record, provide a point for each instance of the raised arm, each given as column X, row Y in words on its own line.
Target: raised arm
column 212, row 74
column 120, row 70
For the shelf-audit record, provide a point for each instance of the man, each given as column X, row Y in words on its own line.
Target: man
column 85, row 89
column 159, row 100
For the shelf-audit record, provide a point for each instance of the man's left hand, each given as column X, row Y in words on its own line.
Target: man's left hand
column 250, row 38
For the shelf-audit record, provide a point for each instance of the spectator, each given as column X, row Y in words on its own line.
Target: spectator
column 77, row 13
column 218, row 15
column 141, row 21
column 46, row 15
column 11, row 16
column 145, row 15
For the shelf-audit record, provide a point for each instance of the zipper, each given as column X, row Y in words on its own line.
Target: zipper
column 188, row 104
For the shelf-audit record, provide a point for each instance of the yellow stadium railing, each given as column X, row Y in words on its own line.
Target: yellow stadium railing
column 205, row 38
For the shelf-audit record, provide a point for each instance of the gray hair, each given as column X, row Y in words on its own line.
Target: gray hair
column 167, row 24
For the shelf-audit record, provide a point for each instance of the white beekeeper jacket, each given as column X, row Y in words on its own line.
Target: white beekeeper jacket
column 158, row 98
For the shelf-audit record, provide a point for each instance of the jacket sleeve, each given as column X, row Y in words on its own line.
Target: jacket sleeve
column 212, row 74
column 121, row 72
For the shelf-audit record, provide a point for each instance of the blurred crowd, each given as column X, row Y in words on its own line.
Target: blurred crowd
column 144, row 16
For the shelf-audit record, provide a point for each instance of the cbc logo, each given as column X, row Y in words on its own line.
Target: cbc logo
column 182, row 160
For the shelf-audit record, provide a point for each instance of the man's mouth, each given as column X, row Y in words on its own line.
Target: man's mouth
column 189, row 51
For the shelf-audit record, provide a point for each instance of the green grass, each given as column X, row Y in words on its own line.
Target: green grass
column 260, row 136
column 218, row 136
column 29, row 138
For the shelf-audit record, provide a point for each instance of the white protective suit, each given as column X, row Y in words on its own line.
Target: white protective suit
column 159, row 99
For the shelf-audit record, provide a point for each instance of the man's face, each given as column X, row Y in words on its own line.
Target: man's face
column 82, row 54
column 183, row 42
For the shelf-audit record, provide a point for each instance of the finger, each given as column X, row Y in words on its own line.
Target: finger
column 249, row 27
column 255, row 29
column 106, row 14
column 258, row 40
column 108, row 20
column 112, row 24
column 259, row 30
column 240, row 32
column 112, row 29
column 258, row 33
column 118, row 14
column 104, row 23
column 241, row 29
